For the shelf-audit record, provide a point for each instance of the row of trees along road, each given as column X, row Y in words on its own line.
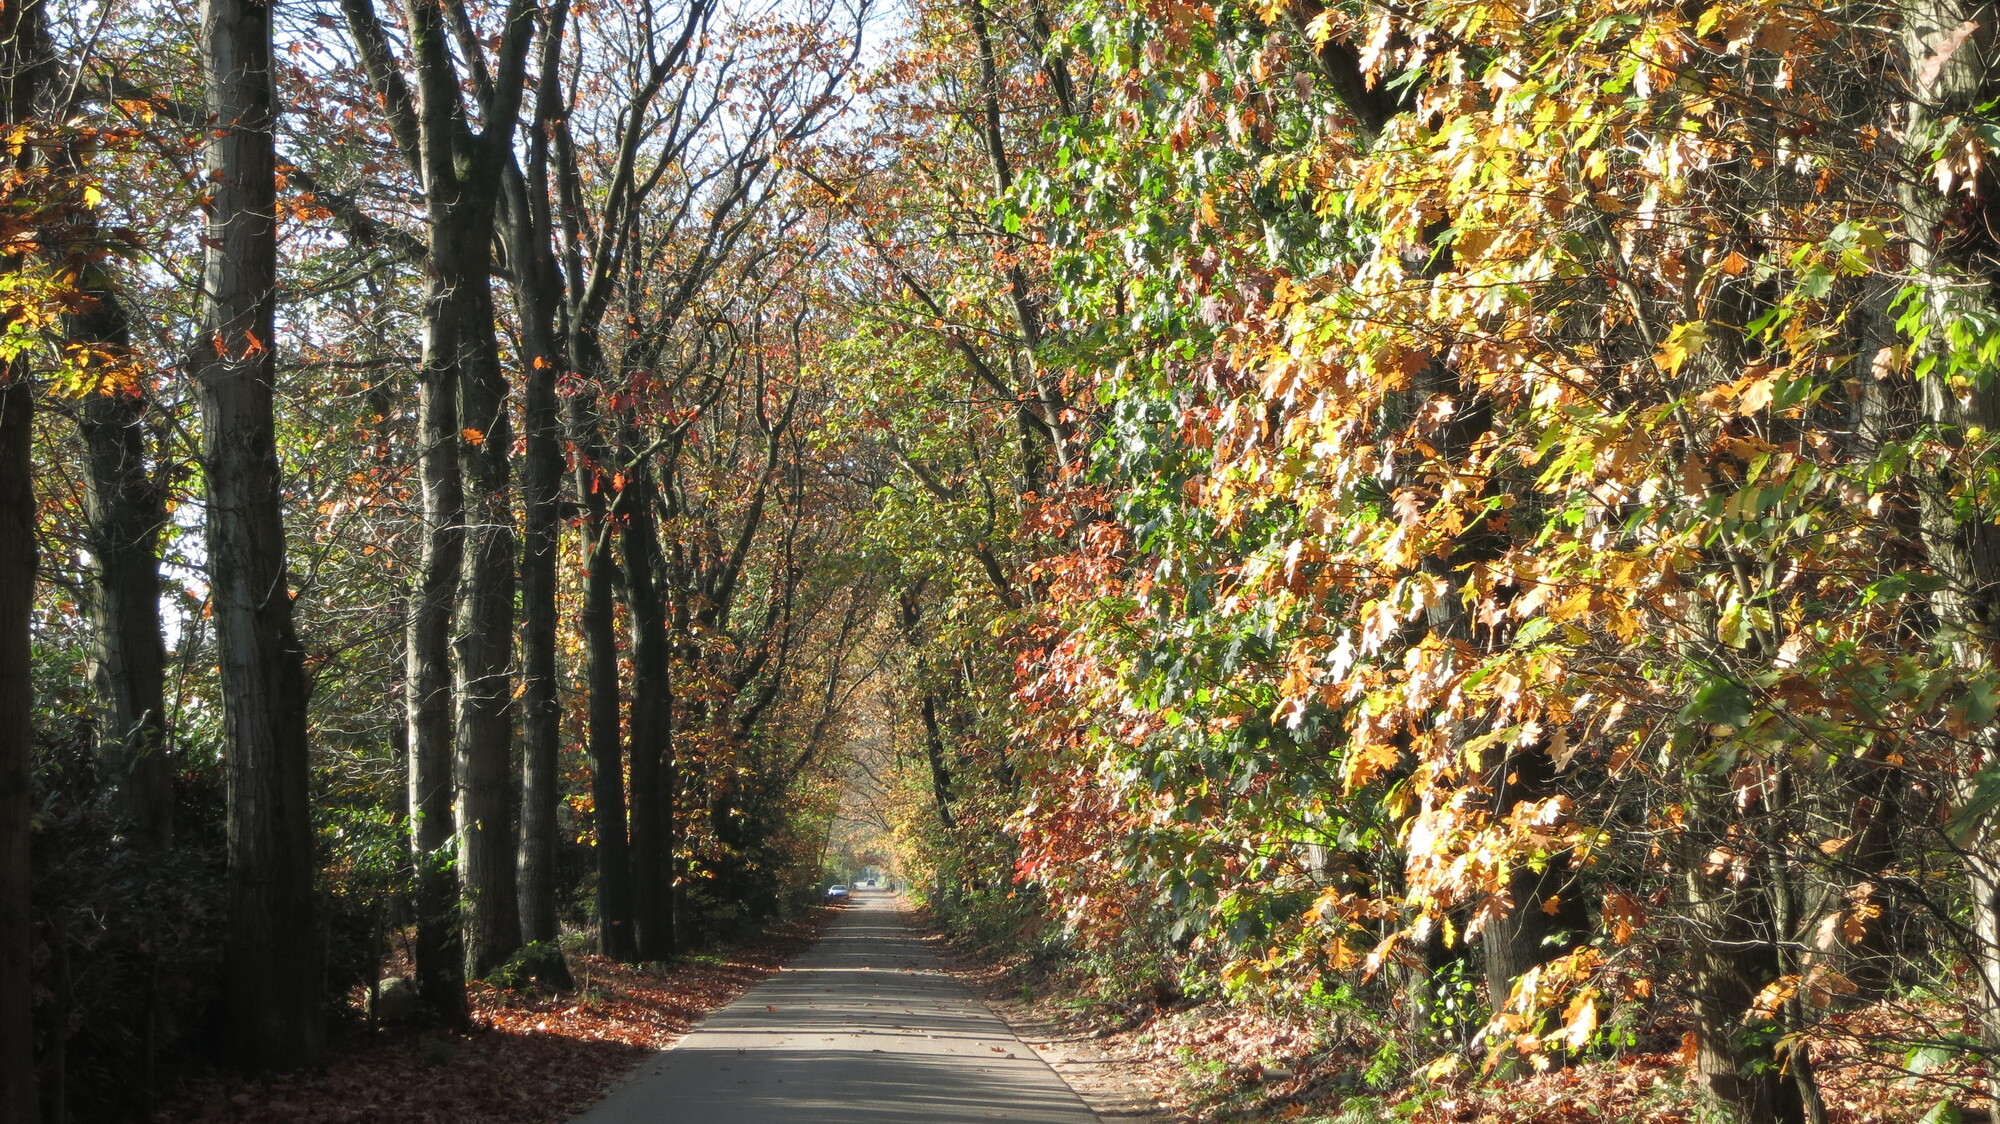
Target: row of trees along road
column 1474, row 521
column 346, row 348
column 1490, row 510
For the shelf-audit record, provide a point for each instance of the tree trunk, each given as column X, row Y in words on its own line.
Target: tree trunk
column 461, row 173
column 530, row 234
column 615, row 920
column 542, row 720
column 653, row 782
column 483, row 631
column 18, row 1097
column 1955, row 254
column 440, row 950
column 934, row 753
column 126, row 514
column 272, row 962
column 17, row 593
column 1531, row 933
column 1732, row 957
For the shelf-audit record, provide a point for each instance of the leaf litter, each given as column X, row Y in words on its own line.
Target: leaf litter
column 530, row 1057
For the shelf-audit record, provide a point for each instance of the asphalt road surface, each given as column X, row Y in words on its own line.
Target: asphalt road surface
column 864, row 1028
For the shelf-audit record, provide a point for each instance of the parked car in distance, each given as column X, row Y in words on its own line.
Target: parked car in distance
column 836, row 893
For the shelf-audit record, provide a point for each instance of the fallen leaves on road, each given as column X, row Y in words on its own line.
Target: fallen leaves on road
column 530, row 1058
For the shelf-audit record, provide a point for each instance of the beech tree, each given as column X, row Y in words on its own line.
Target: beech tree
column 463, row 619
column 275, row 1007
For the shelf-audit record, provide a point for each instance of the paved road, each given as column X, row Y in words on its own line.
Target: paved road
column 864, row 1028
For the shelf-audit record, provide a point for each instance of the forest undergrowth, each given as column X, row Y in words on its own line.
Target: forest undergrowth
column 531, row 1056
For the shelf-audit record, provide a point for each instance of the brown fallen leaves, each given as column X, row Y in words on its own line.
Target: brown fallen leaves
column 530, row 1058
column 1218, row 1062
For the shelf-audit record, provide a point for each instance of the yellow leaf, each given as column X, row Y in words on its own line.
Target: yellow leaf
column 1369, row 761
column 1754, row 393
column 1442, row 1068
column 1766, row 1005
column 1582, row 1016
column 1686, row 340
column 1471, row 245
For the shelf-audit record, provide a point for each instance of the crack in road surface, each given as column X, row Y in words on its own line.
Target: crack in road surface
column 865, row 1027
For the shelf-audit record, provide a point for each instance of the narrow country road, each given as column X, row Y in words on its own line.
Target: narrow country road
column 864, row 1028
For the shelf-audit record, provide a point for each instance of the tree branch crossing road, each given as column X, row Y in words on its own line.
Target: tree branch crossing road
column 865, row 1027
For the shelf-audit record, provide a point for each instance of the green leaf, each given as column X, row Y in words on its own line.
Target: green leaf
column 1944, row 1112
column 1532, row 631
column 1720, row 701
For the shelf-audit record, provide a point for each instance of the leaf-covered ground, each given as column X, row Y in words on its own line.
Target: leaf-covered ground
column 530, row 1058
column 1222, row 1063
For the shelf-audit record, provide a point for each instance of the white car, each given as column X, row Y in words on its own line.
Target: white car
column 836, row 893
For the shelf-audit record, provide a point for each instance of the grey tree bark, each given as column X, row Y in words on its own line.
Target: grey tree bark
column 615, row 918
column 461, row 172
column 653, row 773
column 1731, row 959
column 529, row 228
column 272, row 962
column 1951, row 51
column 440, row 950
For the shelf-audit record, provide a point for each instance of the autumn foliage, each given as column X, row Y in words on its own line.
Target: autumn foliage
column 1468, row 529
column 1525, row 545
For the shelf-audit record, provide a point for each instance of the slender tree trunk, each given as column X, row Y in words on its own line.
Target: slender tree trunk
column 934, row 752
column 1533, row 932
column 272, row 963
column 530, row 235
column 1046, row 413
column 440, row 949
column 462, row 175
column 17, row 591
column 483, row 631
column 424, row 124
column 23, row 72
column 126, row 514
column 615, row 919
column 542, row 720
column 652, row 711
